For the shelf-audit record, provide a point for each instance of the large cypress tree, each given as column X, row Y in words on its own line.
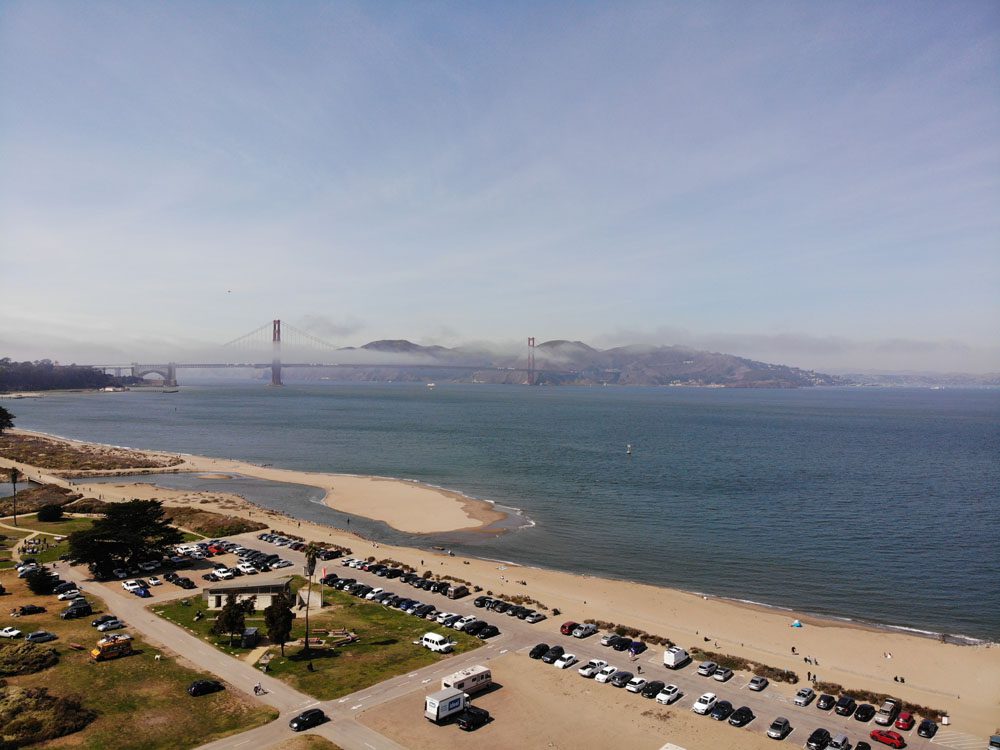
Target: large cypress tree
column 129, row 533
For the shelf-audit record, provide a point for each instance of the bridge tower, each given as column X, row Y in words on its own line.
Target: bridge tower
column 531, row 360
column 276, row 352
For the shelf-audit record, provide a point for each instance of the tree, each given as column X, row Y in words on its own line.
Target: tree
column 42, row 581
column 50, row 513
column 232, row 617
column 14, row 476
column 312, row 553
column 278, row 619
column 128, row 534
column 6, row 420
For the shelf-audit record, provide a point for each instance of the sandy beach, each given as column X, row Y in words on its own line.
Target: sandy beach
column 963, row 680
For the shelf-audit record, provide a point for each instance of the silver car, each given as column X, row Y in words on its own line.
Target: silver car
column 779, row 728
column 707, row 668
column 582, row 631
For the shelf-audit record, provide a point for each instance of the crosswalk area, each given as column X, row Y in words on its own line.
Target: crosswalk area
column 959, row 740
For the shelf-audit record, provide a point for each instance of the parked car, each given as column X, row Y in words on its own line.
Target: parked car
column 154, row 581
column 839, row 741
column 535, row 617
column 888, row 737
column 804, row 696
column 474, row 628
column 472, row 718
column 707, row 668
column 490, row 631
column 29, row 609
column 467, row 620
column 722, row 674
column 565, row 661
column 741, row 716
column 103, row 619
column 622, row 644
column 668, row 694
column 818, row 740
column 567, row 628
column 905, row 721
column 845, row 705
column 592, row 667
column 620, row 678
column 204, row 687
column 721, row 711
column 927, row 728
column 307, row 720
column 779, row 728
column 605, row 674
column 653, row 688
column 67, row 595
column 131, row 585
column 552, row 654
column 757, row 683
column 865, row 712
column 10, row 632
column 705, row 703
column 482, row 601
column 40, row 636
column 582, row 631
column 71, row 613
column 826, row 702
column 636, row 684
column 111, row 625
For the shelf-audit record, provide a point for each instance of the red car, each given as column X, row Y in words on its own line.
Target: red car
column 905, row 721
column 888, row 737
column 568, row 627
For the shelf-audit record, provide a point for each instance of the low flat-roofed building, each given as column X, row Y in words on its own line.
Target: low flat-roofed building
column 263, row 591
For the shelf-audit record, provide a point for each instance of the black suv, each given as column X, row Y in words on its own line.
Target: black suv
column 307, row 720
column 825, row 702
column 818, row 740
column 538, row 651
column 846, row 705
column 552, row 654
column 472, row 718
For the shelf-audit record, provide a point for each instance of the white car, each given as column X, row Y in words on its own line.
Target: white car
column 757, row 683
column 605, row 674
column 606, row 640
column 635, row 684
column 346, row 562
column 224, row 574
column 668, row 695
column 111, row 625
column 444, row 616
column 67, row 595
column 468, row 619
column 704, row 704
column 373, row 593
column 804, row 696
column 592, row 667
column 707, row 668
column 154, row 581
column 280, row 564
column 131, row 585
column 566, row 661
column 247, row 569
column 10, row 632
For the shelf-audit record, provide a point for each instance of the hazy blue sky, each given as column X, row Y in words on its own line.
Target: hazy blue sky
column 811, row 183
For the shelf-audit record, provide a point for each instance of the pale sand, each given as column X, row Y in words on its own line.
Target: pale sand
column 541, row 707
column 963, row 680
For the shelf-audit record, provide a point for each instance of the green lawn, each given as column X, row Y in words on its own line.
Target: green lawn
column 9, row 541
column 63, row 527
column 141, row 703
column 190, row 536
column 385, row 648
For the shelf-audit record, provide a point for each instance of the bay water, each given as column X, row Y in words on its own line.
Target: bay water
column 880, row 505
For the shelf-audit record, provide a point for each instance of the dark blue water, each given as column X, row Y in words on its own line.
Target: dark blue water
column 874, row 504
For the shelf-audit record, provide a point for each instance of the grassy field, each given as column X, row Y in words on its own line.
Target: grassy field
column 141, row 703
column 306, row 742
column 47, row 453
column 10, row 540
column 63, row 527
column 385, row 647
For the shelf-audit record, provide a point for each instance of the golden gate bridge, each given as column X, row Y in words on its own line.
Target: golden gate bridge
column 271, row 333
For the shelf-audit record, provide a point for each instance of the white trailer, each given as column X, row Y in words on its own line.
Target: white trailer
column 675, row 657
column 469, row 680
column 444, row 703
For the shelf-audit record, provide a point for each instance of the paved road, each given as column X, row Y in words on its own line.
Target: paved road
column 517, row 636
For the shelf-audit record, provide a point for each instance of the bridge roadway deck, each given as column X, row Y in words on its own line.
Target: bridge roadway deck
column 517, row 635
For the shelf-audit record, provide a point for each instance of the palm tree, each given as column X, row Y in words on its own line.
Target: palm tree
column 14, row 476
column 311, row 555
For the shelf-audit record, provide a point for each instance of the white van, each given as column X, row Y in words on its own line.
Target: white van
column 469, row 680
column 675, row 657
column 437, row 643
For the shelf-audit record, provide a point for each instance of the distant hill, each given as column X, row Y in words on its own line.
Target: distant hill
column 562, row 362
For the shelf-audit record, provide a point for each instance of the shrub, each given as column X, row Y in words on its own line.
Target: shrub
column 41, row 581
column 50, row 513
column 209, row 524
column 738, row 662
column 21, row 657
column 31, row 715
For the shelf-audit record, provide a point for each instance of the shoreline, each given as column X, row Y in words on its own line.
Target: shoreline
column 963, row 680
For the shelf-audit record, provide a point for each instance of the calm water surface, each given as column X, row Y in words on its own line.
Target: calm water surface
column 874, row 504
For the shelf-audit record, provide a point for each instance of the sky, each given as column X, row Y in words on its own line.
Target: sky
column 814, row 184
